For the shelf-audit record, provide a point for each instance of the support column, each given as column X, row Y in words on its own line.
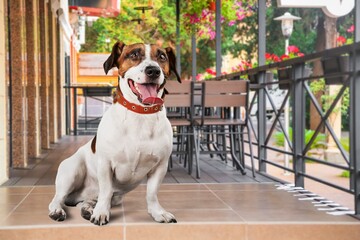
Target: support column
column 262, row 153
column 18, row 82
column 193, row 59
column 218, row 38
column 32, row 41
column 261, row 117
column 298, row 123
column 354, row 118
column 178, row 48
column 262, row 32
column 355, row 128
column 44, row 65
column 59, row 83
column 4, row 157
column 52, row 77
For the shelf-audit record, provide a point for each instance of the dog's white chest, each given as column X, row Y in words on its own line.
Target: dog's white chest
column 136, row 145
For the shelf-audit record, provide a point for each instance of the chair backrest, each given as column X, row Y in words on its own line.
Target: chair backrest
column 225, row 93
column 179, row 94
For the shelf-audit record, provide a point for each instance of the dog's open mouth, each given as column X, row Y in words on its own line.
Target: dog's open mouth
column 146, row 93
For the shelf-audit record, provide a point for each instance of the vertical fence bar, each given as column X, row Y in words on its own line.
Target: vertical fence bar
column 193, row 54
column 178, row 53
column 218, row 38
column 355, row 129
column 67, row 95
column 262, row 31
column 298, row 123
column 357, row 21
column 75, row 110
column 261, row 79
column 261, row 117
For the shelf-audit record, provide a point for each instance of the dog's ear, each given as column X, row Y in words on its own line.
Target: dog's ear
column 172, row 62
column 114, row 56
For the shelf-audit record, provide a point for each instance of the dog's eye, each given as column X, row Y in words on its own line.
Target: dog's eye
column 162, row 57
column 134, row 55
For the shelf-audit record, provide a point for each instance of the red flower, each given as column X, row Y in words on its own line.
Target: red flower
column 276, row 58
column 268, row 56
column 300, row 54
column 351, row 29
column 210, row 71
column 293, row 49
column 341, row 40
column 284, row 57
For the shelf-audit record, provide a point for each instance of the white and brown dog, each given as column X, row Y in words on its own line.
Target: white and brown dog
column 133, row 141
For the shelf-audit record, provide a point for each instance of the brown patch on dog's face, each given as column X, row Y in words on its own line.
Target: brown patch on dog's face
column 158, row 55
column 131, row 56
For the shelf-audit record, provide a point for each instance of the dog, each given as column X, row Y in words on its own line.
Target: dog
column 133, row 140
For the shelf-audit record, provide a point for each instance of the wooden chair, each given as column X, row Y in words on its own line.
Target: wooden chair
column 227, row 101
column 179, row 105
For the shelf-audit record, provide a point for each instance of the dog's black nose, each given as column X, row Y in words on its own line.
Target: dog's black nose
column 152, row 72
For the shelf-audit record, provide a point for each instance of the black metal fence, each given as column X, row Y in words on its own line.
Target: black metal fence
column 340, row 77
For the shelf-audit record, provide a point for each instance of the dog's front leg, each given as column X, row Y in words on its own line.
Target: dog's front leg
column 101, row 213
column 154, row 208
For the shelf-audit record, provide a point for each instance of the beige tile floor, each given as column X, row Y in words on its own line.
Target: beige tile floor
column 204, row 211
column 213, row 207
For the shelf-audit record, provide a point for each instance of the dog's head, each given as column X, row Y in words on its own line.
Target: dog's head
column 143, row 70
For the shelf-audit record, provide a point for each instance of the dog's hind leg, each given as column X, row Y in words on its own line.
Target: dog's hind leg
column 116, row 199
column 87, row 208
column 70, row 176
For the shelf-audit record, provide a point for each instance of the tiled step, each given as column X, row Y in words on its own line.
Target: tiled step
column 250, row 211
column 188, row 231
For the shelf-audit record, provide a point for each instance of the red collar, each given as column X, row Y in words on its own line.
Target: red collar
column 119, row 98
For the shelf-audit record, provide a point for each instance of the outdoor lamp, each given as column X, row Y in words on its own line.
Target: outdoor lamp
column 107, row 41
column 287, row 23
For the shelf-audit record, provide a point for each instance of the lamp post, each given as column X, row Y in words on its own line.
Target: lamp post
column 287, row 25
column 107, row 41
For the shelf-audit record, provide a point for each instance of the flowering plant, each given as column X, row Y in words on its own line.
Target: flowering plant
column 208, row 74
column 293, row 53
column 200, row 17
column 342, row 40
column 270, row 58
column 242, row 66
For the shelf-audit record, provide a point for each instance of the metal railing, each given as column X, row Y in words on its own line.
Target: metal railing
column 75, row 124
column 299, row 93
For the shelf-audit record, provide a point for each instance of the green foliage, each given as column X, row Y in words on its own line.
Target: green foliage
column 237, row 40
column 345, row 174
column 317, row 86
column 345, row 143
column 319, row 141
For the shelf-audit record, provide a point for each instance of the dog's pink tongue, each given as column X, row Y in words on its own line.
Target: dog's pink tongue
column 149, row 94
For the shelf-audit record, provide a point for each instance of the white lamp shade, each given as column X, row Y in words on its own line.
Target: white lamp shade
column 287, row 23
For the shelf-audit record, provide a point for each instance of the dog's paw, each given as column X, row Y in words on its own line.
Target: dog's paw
column 58, row 215
column 163, row 217
column 100, row 217
column 86, row 212
column 87, row 209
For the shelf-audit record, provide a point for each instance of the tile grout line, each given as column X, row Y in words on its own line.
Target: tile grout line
column 13, row 210
column 225, row 203
column 124, row 219
column 236, row 213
